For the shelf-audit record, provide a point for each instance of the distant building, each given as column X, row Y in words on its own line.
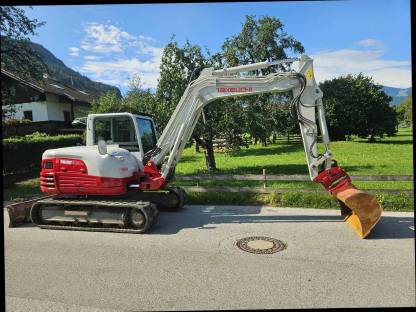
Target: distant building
column 51, row 101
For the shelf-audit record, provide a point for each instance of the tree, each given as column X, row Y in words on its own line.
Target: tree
column 179, row 66
column 108, row 103
column 16, row 55
column 355, row 105
column 260, row 39
column 404, row 112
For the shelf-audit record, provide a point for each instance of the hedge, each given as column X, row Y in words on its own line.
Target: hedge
column 24, row 154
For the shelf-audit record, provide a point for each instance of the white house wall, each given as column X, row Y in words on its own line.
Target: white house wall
column 51, row 109
column 56, row 110
column 39, row 110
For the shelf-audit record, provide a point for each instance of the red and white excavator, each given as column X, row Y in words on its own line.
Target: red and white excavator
column 120, row 178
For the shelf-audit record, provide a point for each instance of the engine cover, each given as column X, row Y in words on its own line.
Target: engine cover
column 82, row 170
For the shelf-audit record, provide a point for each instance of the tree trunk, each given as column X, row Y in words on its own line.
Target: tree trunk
column 209, row 155
column 197, row 147
column 198, row 143
column 274, row 138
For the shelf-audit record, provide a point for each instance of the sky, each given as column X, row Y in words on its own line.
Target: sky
column 114, row 43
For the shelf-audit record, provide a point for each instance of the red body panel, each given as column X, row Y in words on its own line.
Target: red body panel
column 70, row 177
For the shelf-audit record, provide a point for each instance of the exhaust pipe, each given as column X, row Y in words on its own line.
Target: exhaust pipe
column 360, row 210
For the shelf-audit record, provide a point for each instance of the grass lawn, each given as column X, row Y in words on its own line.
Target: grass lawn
column 390, row 156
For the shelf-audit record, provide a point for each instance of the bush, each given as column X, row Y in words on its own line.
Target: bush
column 24, row 154
column 14, row 122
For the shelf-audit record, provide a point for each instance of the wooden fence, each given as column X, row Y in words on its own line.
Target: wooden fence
column 267, row 190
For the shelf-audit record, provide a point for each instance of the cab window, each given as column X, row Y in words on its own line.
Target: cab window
column 147, row 131
column 116, row 130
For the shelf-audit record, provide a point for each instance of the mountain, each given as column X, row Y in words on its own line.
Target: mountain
column 59, row 71
column 397, row 94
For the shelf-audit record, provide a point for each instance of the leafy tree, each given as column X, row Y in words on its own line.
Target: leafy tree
column 260, row 39
column 404, row 112
column 179, row 66
column 172, row 82
column 355, row 105
column 108, row 103
column 16, row 55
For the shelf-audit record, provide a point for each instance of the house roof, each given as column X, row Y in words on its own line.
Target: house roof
column 56, row 87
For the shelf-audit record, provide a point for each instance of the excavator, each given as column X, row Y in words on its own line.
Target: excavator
column 118, row 181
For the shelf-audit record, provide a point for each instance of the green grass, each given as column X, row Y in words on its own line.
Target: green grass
column 390, row 156
column 22, row 190
column 389, row 202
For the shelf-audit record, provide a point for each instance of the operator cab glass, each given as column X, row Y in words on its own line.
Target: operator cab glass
column 120, row 130
column 147, row 133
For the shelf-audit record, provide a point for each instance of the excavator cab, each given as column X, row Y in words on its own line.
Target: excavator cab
column 135, row 133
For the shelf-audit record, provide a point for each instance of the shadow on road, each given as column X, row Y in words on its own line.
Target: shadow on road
column 393, row 227
column 206, row 218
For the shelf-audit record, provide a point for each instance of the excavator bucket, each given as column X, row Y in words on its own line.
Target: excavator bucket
column 365, row 210
column 360, row 210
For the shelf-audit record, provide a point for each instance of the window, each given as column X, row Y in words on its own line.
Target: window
column 67, row 116
column 102, row 130
column 116, row 130
column 28, row 115
column 147, row 131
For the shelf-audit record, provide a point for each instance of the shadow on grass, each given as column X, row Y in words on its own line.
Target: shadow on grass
column 185, row 158
column 277, row 169
column 275, row 150
column 395, row 142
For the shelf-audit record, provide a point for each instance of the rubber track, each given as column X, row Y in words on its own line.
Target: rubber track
column 148, row 208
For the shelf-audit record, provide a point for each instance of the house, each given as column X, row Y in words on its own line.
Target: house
column 50, row 101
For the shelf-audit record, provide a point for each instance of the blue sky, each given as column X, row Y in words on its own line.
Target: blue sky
column 112, row 43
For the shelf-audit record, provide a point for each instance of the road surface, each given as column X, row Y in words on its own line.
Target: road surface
column 190, row 261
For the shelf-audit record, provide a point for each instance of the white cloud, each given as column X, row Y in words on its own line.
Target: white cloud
column 116, row 55
column 104, row 38
column 124, row 69
column 91, row 57
column 73, row 51
column 334, row 63
column 370, row 43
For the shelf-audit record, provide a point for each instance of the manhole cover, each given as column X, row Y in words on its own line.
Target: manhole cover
column 260, row 244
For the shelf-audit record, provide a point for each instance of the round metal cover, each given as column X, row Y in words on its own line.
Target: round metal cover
column 261, row 245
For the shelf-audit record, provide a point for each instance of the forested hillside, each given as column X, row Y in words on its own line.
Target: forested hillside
column 61, row 72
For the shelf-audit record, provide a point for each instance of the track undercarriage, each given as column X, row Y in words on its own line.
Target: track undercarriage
column 134, row 213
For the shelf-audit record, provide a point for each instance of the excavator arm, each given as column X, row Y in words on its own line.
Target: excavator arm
column 215, row 84
column 360, row 210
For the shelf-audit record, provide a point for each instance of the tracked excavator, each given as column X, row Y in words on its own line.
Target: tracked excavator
column 121, row 177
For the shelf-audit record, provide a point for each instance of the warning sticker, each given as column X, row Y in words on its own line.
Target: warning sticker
column 309, row 74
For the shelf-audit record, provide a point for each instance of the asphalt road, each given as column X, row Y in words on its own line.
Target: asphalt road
column 189, row 261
